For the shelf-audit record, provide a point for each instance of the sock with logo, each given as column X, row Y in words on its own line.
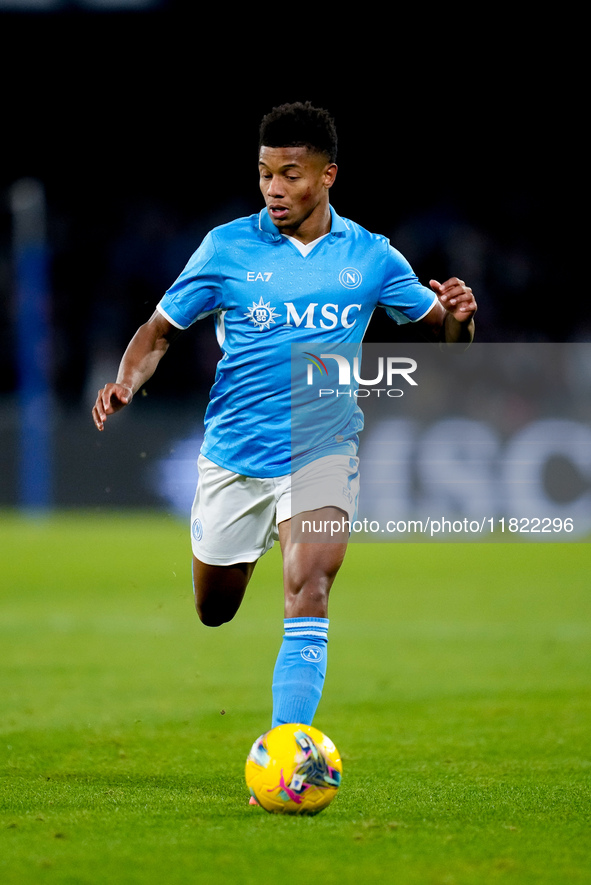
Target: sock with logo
column 300, row 670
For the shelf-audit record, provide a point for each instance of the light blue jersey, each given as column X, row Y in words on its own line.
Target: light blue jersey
column 266, row 297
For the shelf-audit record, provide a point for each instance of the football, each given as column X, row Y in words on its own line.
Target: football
column 293, row 769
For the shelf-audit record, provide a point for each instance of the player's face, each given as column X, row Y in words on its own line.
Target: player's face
column 295, row 182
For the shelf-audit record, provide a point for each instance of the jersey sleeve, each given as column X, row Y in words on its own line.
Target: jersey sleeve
column 197, row 291
column 403, row 297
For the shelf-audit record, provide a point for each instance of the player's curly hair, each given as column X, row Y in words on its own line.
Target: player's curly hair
column 299, row 124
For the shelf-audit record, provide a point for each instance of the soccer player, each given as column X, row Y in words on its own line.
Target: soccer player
column 293, row 273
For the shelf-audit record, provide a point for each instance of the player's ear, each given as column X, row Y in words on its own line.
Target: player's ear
column 330, row 173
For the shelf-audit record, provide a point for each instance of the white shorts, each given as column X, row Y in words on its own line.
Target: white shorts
column 234, row 518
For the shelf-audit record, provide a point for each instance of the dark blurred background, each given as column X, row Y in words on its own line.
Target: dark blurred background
column 139, row 119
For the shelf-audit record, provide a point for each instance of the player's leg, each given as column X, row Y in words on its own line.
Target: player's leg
column 309, row 570
column 219, row 590
column 314, row 520
column 310, row 567
column 232, row 526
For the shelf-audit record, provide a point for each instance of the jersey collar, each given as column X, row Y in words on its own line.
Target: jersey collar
column 338, row 227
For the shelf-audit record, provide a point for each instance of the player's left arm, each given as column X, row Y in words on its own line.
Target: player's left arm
column 451, row 319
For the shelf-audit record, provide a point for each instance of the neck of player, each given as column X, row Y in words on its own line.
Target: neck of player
column 317, row 224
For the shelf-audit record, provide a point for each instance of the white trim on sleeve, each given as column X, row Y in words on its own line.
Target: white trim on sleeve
column 422, row 317
column 170, row 319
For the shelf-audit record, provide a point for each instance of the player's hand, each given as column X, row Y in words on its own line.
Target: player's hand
column 111, row 398
column 456, row 297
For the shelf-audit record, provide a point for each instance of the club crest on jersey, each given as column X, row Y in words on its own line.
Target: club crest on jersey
column 350, row 278
column 261, row 314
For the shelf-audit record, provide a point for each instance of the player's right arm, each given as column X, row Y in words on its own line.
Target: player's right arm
column 139, row 362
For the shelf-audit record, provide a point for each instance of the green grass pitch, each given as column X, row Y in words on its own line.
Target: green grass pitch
column 458, row 693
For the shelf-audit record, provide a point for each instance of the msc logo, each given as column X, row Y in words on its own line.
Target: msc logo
column 331, row 315
column 350, row 278
column 261, row 314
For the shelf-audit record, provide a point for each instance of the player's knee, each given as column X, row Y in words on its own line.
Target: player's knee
column 209, row 620
column 218, row 591
column 214, row 614
column 209, row 617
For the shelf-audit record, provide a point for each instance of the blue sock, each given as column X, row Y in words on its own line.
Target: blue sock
column 299, row 673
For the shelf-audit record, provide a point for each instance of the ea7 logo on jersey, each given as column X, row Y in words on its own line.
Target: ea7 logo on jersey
column 254, row 276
